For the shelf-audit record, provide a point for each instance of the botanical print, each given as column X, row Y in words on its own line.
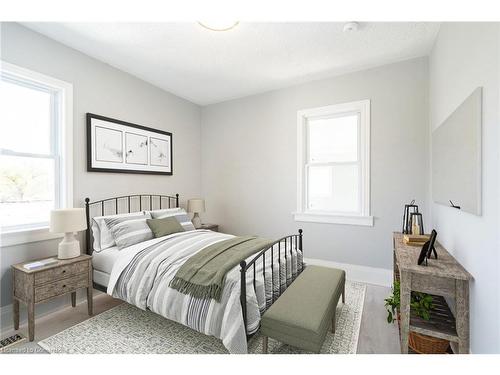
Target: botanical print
column 160, row 153
column 108, row 145
column 137, row 149
column 119, row 146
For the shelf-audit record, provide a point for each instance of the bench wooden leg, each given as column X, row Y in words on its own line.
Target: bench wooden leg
column 264, row 344
column 343, row 294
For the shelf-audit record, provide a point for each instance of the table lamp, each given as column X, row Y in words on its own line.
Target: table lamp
column 68, row 221
column 196, row 206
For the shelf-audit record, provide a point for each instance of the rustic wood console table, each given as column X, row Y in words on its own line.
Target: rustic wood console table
column 444, row 277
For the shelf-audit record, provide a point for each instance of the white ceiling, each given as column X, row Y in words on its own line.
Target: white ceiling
column 207, row 67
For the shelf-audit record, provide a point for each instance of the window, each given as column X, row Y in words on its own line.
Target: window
column 334, row 164
column 35, row 152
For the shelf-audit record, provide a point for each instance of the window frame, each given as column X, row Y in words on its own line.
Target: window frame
column 61, row 149
column 362, row 109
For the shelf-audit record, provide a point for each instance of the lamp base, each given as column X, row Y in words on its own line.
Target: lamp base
column 196, row 220
column 69, row 247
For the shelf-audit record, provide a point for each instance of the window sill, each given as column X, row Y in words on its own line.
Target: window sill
column 333, row 219
column 20, row 237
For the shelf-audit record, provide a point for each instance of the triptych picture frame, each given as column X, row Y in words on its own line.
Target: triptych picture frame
column 119, row 146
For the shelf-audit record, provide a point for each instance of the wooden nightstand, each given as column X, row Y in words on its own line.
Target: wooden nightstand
column 42, row 284
column 214, row 227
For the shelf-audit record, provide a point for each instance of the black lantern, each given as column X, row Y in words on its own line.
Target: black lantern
column 417, row 223
column 409, row 209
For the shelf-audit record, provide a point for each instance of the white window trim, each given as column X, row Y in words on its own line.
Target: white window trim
column 65, row 90
column 302, row 214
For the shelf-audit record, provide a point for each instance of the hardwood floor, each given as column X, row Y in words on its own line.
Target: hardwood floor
column 376, row 336
column 51, row 324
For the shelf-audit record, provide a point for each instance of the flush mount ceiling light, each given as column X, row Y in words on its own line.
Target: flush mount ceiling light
column 350, row 27
column 219, row 25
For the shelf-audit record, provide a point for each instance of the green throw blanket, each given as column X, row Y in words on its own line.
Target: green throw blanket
column 202, row 275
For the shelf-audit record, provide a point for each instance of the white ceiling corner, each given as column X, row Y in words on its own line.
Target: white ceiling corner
column 207, row 67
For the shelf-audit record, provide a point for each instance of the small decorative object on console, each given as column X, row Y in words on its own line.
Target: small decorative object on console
column 415, row 239
column 417, row 223
column 68, row 221
column 428, row 249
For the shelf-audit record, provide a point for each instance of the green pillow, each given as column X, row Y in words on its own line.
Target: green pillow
column 165, row 226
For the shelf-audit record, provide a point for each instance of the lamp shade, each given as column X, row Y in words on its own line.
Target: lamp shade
column 196, row 205
column 67, row 220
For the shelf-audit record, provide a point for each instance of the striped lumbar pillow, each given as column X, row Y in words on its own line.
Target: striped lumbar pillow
column 181, row 216
column 127, row 232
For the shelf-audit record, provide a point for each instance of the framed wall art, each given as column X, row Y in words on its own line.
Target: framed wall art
column 119, row 146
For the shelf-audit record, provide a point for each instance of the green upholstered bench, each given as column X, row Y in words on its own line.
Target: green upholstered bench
column 302, row 315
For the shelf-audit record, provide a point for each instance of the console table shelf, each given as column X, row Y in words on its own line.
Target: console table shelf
column 441, row 324
column 442, row 277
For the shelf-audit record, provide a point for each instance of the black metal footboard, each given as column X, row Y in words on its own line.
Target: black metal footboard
column 285, row 245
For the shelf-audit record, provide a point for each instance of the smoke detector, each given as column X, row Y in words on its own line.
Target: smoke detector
column 350, row 27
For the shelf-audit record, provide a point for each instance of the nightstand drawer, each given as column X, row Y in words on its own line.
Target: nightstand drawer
column 61, row 287
column 61, row 272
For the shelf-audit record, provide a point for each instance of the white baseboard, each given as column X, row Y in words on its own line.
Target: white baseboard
column 354, row 272
column 6, row 318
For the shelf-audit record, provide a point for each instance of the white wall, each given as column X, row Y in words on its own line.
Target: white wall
column 466, row 56
column 249, row 160
column 101, row 89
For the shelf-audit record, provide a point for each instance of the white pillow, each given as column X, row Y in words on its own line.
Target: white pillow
column 156, row 214
column 96, row 234
column 104, row 237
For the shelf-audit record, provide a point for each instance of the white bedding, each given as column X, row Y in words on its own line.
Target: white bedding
column 141, row 274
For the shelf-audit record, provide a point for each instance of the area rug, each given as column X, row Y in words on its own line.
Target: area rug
column 127, row 329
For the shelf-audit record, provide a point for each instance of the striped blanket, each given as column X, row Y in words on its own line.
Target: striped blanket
column 142, row 273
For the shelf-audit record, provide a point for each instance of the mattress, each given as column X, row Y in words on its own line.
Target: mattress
column 103, row 262
column 101, row 278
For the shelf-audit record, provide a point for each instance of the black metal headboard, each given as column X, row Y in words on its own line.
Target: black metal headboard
column 113, row 205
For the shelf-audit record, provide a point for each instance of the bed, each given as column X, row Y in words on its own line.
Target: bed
column 141, row 273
